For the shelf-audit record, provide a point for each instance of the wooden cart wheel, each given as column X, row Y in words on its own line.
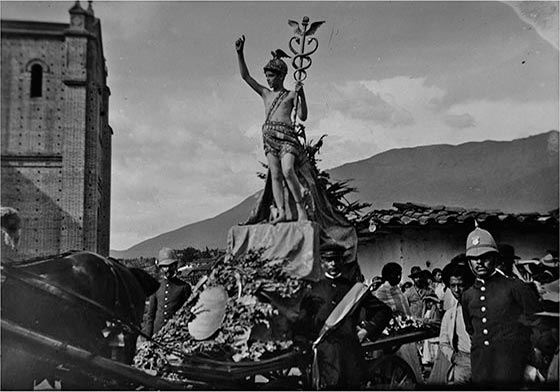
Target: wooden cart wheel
column 390, row 373
column 282, row 380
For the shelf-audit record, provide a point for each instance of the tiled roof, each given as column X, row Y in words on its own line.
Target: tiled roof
column 33, row 28
column 404, row 214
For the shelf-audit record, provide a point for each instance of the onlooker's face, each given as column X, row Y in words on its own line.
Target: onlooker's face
column 169, row 271
column 483, row 265
column 330, row 265
column 437, row 277
column 422, row 281
column 457, row 286
column 394, row 278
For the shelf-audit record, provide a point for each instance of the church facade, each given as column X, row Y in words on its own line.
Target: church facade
column 56, row 138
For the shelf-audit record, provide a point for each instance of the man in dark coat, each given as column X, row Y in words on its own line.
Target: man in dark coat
column 171, row 295
column 340, row 356
column 498, row 314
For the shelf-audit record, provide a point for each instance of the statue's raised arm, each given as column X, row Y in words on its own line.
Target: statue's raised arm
column 243, row 70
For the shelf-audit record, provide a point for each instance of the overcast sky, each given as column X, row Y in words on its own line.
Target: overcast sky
column 187, row 140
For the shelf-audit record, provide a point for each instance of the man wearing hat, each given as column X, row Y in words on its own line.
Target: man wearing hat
column 507, row 260
column 498, row 314
column 171, row 295
column 340, row 355
column 415, row 294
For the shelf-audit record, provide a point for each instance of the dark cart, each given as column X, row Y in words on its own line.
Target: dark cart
column 291, row 370
column 388, row 371
column 286, row 371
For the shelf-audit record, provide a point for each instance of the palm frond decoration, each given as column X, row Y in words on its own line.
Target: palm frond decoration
column 335, row 191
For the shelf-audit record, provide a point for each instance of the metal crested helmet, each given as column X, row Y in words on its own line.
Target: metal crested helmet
column 166, row 256
column 277, row 64
column 479, row 242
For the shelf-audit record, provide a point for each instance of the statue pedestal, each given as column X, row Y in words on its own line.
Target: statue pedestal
column 297, row 242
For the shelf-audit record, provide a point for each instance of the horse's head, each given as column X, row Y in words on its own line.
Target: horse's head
column 130, row 287
column 148, row 286
column 148, row 283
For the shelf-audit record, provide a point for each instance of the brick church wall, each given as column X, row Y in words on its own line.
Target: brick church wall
column 56, row 148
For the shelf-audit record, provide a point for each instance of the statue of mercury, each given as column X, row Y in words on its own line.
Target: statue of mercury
column 281, row 145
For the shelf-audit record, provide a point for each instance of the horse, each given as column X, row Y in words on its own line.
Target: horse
column 109, row 288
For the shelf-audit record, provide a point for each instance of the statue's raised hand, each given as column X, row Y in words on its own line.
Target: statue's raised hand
column 240, row 43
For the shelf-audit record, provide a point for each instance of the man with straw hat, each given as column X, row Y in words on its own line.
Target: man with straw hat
column 498, row 314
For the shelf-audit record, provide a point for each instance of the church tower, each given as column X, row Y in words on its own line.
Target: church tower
column 56, row 138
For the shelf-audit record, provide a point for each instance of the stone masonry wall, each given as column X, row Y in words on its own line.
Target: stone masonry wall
column 54, row 165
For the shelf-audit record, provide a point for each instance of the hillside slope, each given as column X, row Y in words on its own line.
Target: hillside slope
column 516, row 176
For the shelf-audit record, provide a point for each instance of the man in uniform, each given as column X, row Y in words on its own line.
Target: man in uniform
column 498, row 314
column 340, row 356
column 171, row 295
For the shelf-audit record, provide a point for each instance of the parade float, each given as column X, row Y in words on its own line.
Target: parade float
column 240, row 335
column 234, row 331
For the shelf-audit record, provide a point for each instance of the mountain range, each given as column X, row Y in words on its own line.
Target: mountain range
column 511, row 176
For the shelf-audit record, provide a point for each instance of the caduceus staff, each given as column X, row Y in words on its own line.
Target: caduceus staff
column 302, row 59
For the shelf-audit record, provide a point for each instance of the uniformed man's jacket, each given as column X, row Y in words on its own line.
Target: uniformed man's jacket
column 499, row 309
column 319, row 302
column 341, row 360
column 171, row 295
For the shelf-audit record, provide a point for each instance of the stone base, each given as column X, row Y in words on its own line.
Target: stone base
column 297, row 242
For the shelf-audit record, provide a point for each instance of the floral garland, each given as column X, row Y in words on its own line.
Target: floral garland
column 401, row 323
column 241, row 277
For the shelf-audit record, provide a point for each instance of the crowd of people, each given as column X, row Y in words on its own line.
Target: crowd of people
column 497, row 317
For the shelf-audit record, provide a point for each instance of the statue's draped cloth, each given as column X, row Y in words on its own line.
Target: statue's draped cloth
column 333, row 226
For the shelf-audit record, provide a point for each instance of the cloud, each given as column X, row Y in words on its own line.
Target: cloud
column 367, row 104
column 459, row 121
column 509, row 119
column 353, row 137
column 407, row 92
